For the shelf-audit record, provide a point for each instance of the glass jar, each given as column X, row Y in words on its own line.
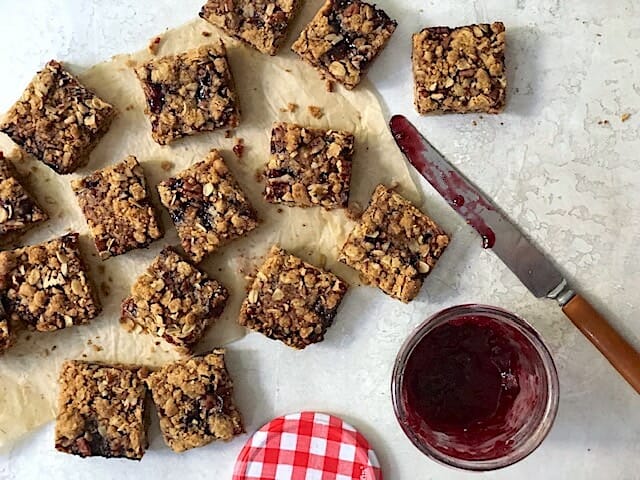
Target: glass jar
column 523, row 427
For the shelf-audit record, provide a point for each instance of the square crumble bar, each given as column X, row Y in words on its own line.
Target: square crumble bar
column 309, row 167
column 394, row 246
column 58, row 120
column 207, row 206
column 460, row 69
column 344, row 38
column 46, row 286
column 115, row 201
column 263, row 24
column 101, row 411
column 18, row 210
column 189, row 93
column 291, row 300
column 194, row 400
column 173, row 300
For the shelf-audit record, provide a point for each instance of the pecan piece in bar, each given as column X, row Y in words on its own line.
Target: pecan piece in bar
column 207, row 206
column 46, row 286
column 58, row 120
column 101, row 411
column 115, row 201
column 291, row 300
column 263, row 24
column 344, row 38
column 173, row 300
column 309, row 167
column 18, row 210
column 394, row 246
column 194, row 400
column 189, row 93
column 460, row 69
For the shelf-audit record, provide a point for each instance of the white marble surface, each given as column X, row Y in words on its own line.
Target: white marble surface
column 571, row 181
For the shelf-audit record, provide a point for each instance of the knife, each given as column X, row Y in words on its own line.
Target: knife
column 528, row 263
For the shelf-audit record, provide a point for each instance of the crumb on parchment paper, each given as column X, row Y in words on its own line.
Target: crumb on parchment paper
column 238, row 147
column 329, row 85
column 625, row 116
column 291, row 107
column 315, row 112
column 154, row 44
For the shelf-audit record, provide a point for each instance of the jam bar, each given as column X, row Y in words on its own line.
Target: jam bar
column 101, row 411
column 115, row 201
column 291, row 300
column 173, row 300
column 344, row 38
column 460, row 69
column 58, row 120
column 207, row 206
column 194, row 400
column 394, row 246
column 46, row 286
column 18, row 210
column 263, row 24
column 309, row 167
column 189, row 93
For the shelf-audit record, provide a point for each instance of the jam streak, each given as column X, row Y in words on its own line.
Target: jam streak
column 461, row 196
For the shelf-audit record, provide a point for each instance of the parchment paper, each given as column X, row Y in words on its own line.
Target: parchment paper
column 265, row 85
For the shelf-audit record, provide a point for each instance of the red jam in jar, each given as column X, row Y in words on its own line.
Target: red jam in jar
column 474, row 387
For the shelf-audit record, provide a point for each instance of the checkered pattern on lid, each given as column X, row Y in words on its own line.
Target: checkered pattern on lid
column 307, row 446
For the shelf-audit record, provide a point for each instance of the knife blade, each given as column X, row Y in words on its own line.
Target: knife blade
column 533, row 269
column 519, row 254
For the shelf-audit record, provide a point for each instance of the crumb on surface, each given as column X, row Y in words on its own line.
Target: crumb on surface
column 291, row 107
column 166, row 165
column 315, row 111
column 329, row 85
column 154, row 45
column 625, row 116
column 354, row 211
column 238, row 147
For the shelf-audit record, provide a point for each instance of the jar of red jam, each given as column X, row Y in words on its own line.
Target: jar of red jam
column 475, row 387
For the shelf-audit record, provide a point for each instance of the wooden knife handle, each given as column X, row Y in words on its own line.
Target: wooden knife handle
column 624, row 358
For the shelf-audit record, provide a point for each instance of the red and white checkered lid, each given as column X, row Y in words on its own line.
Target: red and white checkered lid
column 307, row 446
